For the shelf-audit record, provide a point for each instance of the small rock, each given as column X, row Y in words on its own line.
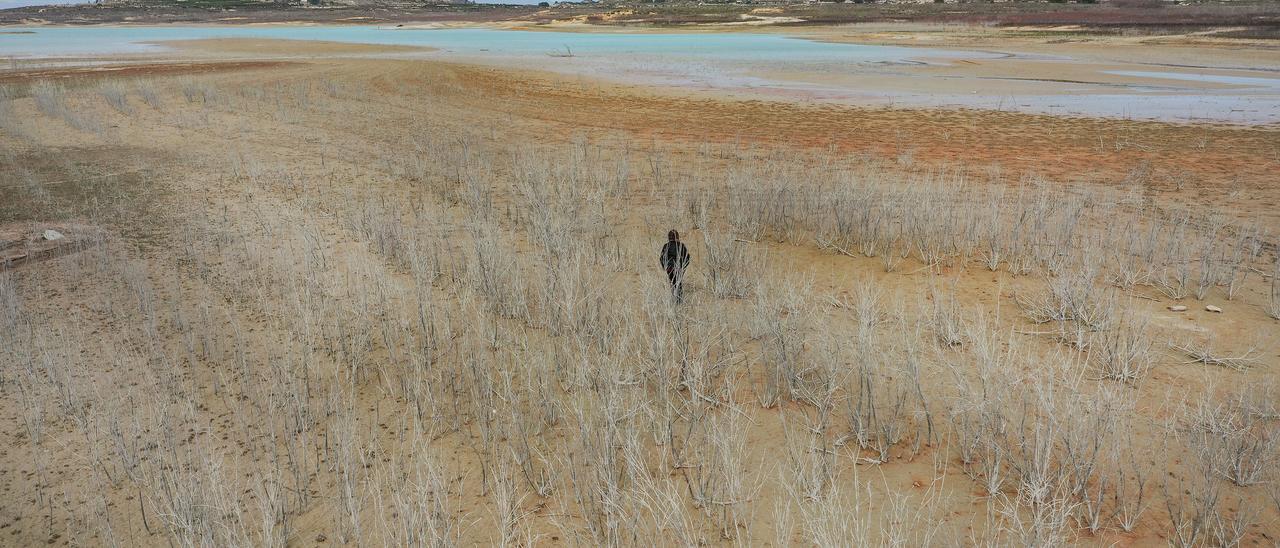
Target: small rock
column 1178, row 308
column 51, row 234
column 1212, row 308
column 321, row 538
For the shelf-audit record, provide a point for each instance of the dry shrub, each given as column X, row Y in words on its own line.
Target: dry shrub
column 734, row 268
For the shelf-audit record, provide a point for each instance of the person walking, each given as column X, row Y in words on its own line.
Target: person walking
column 674, row 259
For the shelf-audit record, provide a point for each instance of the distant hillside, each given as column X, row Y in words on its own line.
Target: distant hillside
column 1245, row 18
column 262, row 11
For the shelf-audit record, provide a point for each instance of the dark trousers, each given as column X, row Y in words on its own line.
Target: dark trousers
column 677, row 283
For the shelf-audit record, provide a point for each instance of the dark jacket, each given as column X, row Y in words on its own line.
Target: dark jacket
column 675, row 257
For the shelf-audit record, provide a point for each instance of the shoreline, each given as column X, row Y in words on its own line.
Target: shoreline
column 1013, row 75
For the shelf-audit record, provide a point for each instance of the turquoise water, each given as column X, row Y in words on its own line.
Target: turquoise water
column 707, row 60
column 65, row 41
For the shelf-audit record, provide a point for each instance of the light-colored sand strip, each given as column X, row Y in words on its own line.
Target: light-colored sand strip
column 277, row 47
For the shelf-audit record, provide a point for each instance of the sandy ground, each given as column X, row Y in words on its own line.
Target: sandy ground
column 1094, row 53
column 1231, row 165
column 171, row 166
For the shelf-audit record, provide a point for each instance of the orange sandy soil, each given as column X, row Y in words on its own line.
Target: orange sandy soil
column 172, row 166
